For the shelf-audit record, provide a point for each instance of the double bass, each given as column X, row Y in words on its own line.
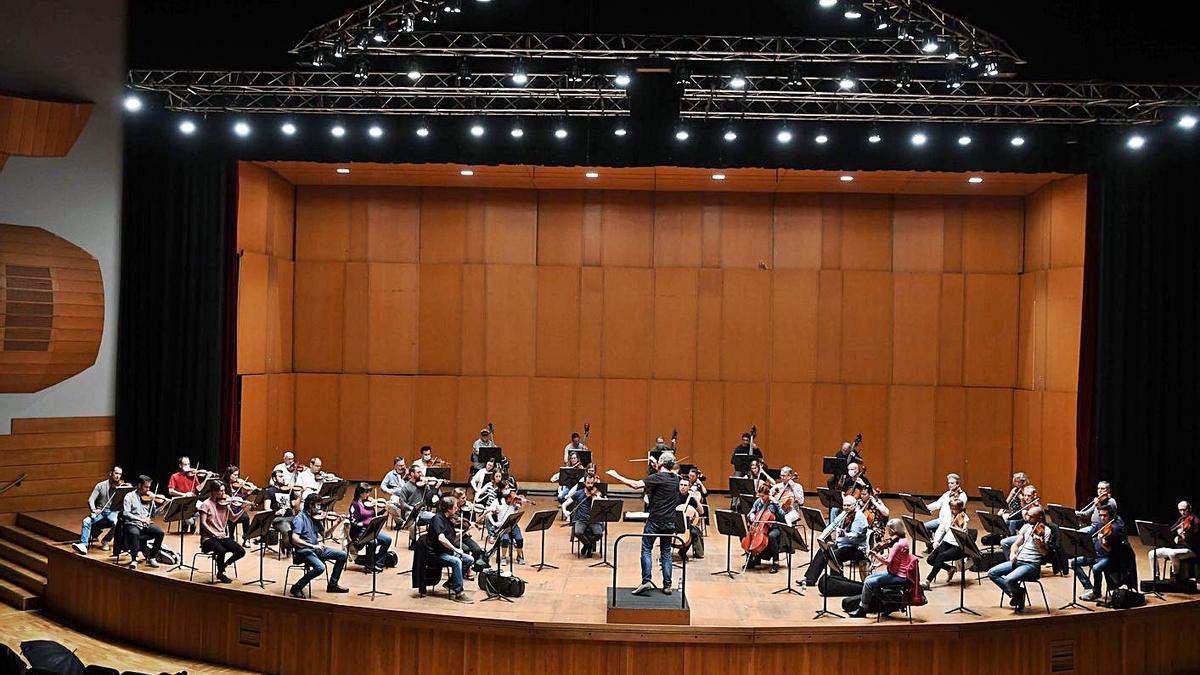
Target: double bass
column 755, row 541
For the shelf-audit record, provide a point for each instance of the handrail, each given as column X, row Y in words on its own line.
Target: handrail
column 16, row 482
column 642, row 535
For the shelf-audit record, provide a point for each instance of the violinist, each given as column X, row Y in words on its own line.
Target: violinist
column 461, row 521
column 141, row 534
column 308, row 550
column 362, row 512
column 662, row 489
column 240, row 489
column 1029, row 499
column 496, row 514
column 694, row 538
column 579, row 506
column 901, row 568
column 1113, row 554
column 941, row 505
column 758, row 473
column 291, row 470
column 747, row 448
column 1187, row 538
column 311, row 479
column 1024, row 562
column 1016, row 501
column 563, row 490
column 102, row 515
column 415, row 498
column 762, row 506
column 490, row 492
column 573, row 447
column 849, row 533
column 849, row 452
column 215, row 515
column 1092, row 511
column 482, row 477
column 440, row 543
column 855, row 483
column 427, row 460
column 788, row 493
column 283, row 501
column 945, row 547
column 391, row 485
column 183, row 483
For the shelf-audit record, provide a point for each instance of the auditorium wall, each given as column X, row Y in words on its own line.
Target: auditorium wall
column 420, row 314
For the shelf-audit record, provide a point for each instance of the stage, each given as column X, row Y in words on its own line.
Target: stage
column 564, row 609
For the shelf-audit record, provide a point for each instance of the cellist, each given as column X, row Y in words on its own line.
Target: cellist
column 764, row 514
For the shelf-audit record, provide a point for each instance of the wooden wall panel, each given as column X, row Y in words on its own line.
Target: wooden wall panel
column 553, row 403
column 319, row 298
column 471, row 416
column 393, row 305
column 1037, row 230
column 795, row 297
column 510, row 227
column 589, row 407
column 440, row 319
column 1064, row 302
column 865, row 411
column 443, row 218
column 281, row 217
column 829, row 327
column 866, row 327
column 708, row 325
column 627, row 423
column 252, row 208
column 393, row 224
column 797, row 232
column 560, row 227
column 671, row 404
column 254, row 416
column 323, row 217
column 745, row 325
column 828, row 430
column 950, row 330
column 316, row 418
column 627, row 223
column 866, row 229
column 558, row 318
column 1059, row 445
column 915, row 305
column 390, row 405
column 354, row 460
column 474, row 319
column 1027, row 433
column 745, row 404
column 708, row 441
column 591, row 321
column 746, row 229
column 950, row 433
column 989, row 436
column 281, row 423
column 1068, row 222
column 356, row 315
column 252, row 313
column 912, row 414
column 511, row 326
column 990, row 333
column 917, row 230
column 992, row 231
column 38, row 128
column 678, row 233
column 508, row 400
column 676, row 294
column 1031, row 336
column 628, row 331
column 788, row 432
column 435, row 423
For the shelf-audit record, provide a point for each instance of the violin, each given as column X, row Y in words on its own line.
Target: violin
column 1104, row 533
column 522, row 500
column 755, row 541
column 242, row 485
column 151, row 497
column 1039, row 530
column 960, row 520
column 232, row 501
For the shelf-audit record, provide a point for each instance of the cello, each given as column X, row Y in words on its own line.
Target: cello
column 755, row 541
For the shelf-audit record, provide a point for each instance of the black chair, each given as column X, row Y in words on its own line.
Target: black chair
column 426, row 569
column 894, row 597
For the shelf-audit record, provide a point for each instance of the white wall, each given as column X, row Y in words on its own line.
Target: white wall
column 73, row 49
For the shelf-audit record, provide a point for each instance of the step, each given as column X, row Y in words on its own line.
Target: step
column 27, row 579
column 51, row 531
column 22, row 556
column 24, row 538
column 15, row 596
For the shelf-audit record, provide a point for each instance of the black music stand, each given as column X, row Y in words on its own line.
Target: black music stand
column 830, row 499
column 368, row 538
column 994, row 524
column 259, row 526
column 494, row 453
column 814, row 520
column 915, row 505
column 569, row 476
column 834, row 466
column 1076, row 544
column 1155, row 536
column 795, row 541
column 493, row 590
column 540, row 522
column 731, row 524
column 832, row 565
column 1064, row 516
column 584, row 455
column 439, row 472
column 741, row 463
column 992, row 498
column 334, row 488
column 180, row 509
column 604, row 511
column 916, row 530
column 741, row 487
column 971, row 551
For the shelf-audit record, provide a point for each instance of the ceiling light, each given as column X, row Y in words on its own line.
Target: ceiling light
column 422, row 130
column 795, row 74
column 188, row 127
column 241, row 129
column 342, row 170
column 827, row 3
column 875, row 137
column 881, row 22
column 821, row 138
column 730, row 135
column 853, row 11
column 133, row 103
column 975, row 180
column 991, row 68
column 560, row 132
column 338, row 131
column 953, row 53
column 903, row 80
column 520, row 74
column 361, row 69
column 591, row 174
column 517, row 132
column 318, row 58
column 1136, row 142
column 919, row 138
column 1017, row 141
column 575, row 73
column 623, row 77
column 738, row 80
column 619, row 131
column 847, row 82
column 846, row 179
column 466, row 172
column 681, row 135
column 414, row 71
column 339, row 49
column 288, row 129
column 407, row 23
column 903, row 33
column 964, row 139
column 380, row 35
column 954, row 80
column 476, row 130
column 931, row 44
column 452, row 7
column 718, row 176
column 375, row 131
column 784, row 136
column 1187, row 122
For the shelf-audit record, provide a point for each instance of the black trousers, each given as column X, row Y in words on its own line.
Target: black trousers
column 844, row 554
column 941, row 558
column 244, row 520
column 225, row 551
column 587, row 534
column 145, row 538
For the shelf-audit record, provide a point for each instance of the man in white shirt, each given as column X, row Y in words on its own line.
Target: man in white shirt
column 496, row 514
column 288, row 467
column 573, row 446
column 1025, row 560
column 788, row 486
column 391, row 485
column 311, row 479
column 941, row 505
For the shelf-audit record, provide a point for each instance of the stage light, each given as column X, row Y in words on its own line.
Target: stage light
column 241, row 129
column 1187, row 122
column 414, row 71
column 846, row 179
column 452, row 7
column 463, row 76
column 591, row 174
column 517, row 132
column 132, row 103
column 821, row 138
column 682, row 135
column 407, row 23
column 902, row 32
column 718, row 176
column 847, row 82
column 964, row 139
column 991, row 68
column 624, row 77
column 738, row 80
column 561, row 132
column 379, row 35
column 919, row 139
column 318, row 58
column 953, row 53
column 619, row 131
column 954, row 80
column 730, row 135
column 875, row 137
column 826, row 3
column 881, row 22
column 903, row 80
column 375, row 131
column 1136, row 142
column 975, row 180
column 339, row 49
column 575, row 73
column 795, row 75
column 466, row 172
column 520, row 74
column 422, row 130
column 187, row 127
column 342, row 170
column 853, row 10
column 362, row 42
column 931, row 44
column 288, row 129
column 1017, row 141
column 477, row 130
column 361, row 69
column 338, row 131
column 972, row 59
column 784, row 136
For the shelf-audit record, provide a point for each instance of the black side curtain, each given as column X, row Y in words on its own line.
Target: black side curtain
column 1145, row 219
column 173, row 331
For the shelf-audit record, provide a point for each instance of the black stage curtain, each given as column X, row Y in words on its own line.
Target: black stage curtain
column 172, row 331
column 1147, row 329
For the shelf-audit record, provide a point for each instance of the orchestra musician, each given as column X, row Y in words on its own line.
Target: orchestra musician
column 183, row 483
column 747, row 448
column 361, row 516
column 427, row 460
column 241, row 489
column 490, row 492
column 758, row 473
column 1016, row 502
column 416, row 497
column 579, row 505
column 941, row 505
column 485, row 440
column 1024, row 562
column 440, row 542
column 655, row 453
column 391, row 483
column 102, row 515
column 1029, row 499
column 1186, row 531
column 291, row 470
column 691, row 519
column 901, row 567
column 574, row 446
column 1092, row 511
column 141, row 534
column 1113, row 554
column 945, row 547
column 482, row 477
column 282, row 498
column 215, row 515
column 308, row 550
column 572, row 463
column 763, row 505
column 854, row 481
column 494, row 516
column 849, row 532
column 851, row 454
column 462, row 529
column 662, row 488
column 788, row 493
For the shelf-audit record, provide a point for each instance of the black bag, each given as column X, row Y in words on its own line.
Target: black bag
column 987, row 561
column 1124, row 598
column 1170, row 586
column 838, row 587
column 390, row 559
column 501, row 584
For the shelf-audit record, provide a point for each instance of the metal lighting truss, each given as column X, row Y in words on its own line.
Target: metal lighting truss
column 764, row 97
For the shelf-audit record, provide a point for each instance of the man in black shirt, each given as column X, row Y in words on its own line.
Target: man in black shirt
column 747, row 449
column 663, row 490
column 442, row 543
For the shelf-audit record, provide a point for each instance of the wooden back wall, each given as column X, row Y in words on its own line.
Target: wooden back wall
column 419, row 314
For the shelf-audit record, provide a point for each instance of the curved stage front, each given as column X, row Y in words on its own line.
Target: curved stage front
column 738, row 626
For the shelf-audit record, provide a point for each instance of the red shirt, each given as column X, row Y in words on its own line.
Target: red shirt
column 180, row 482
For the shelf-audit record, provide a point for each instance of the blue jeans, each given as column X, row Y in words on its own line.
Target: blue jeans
column 456, row 563
column 872, row 583
column 563, row 491
column 516, row 539
column 313, row 561
column 931, row 526
column 664, row 550
column 1097, row 564
column 381, row 545
column 1007, row 574
column 104, row 520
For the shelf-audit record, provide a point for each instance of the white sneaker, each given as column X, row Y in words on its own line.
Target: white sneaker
column 105, row 546
column 79, row 548
column 153, row 563
column 132, row 565
column 643, row 588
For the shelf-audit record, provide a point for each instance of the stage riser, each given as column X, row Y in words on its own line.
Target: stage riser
column 306, row 637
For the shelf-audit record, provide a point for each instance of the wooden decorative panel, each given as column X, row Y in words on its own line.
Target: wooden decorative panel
column 36, row 128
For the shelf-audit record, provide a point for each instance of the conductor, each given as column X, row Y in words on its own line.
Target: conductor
column 662, row 487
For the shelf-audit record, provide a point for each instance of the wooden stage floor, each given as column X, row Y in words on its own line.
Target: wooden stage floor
column 575, row 593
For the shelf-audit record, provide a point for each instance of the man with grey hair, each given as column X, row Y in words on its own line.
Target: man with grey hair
column 788, row 491
column 941, row 505
column 662, row 488
column 1092, row 511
